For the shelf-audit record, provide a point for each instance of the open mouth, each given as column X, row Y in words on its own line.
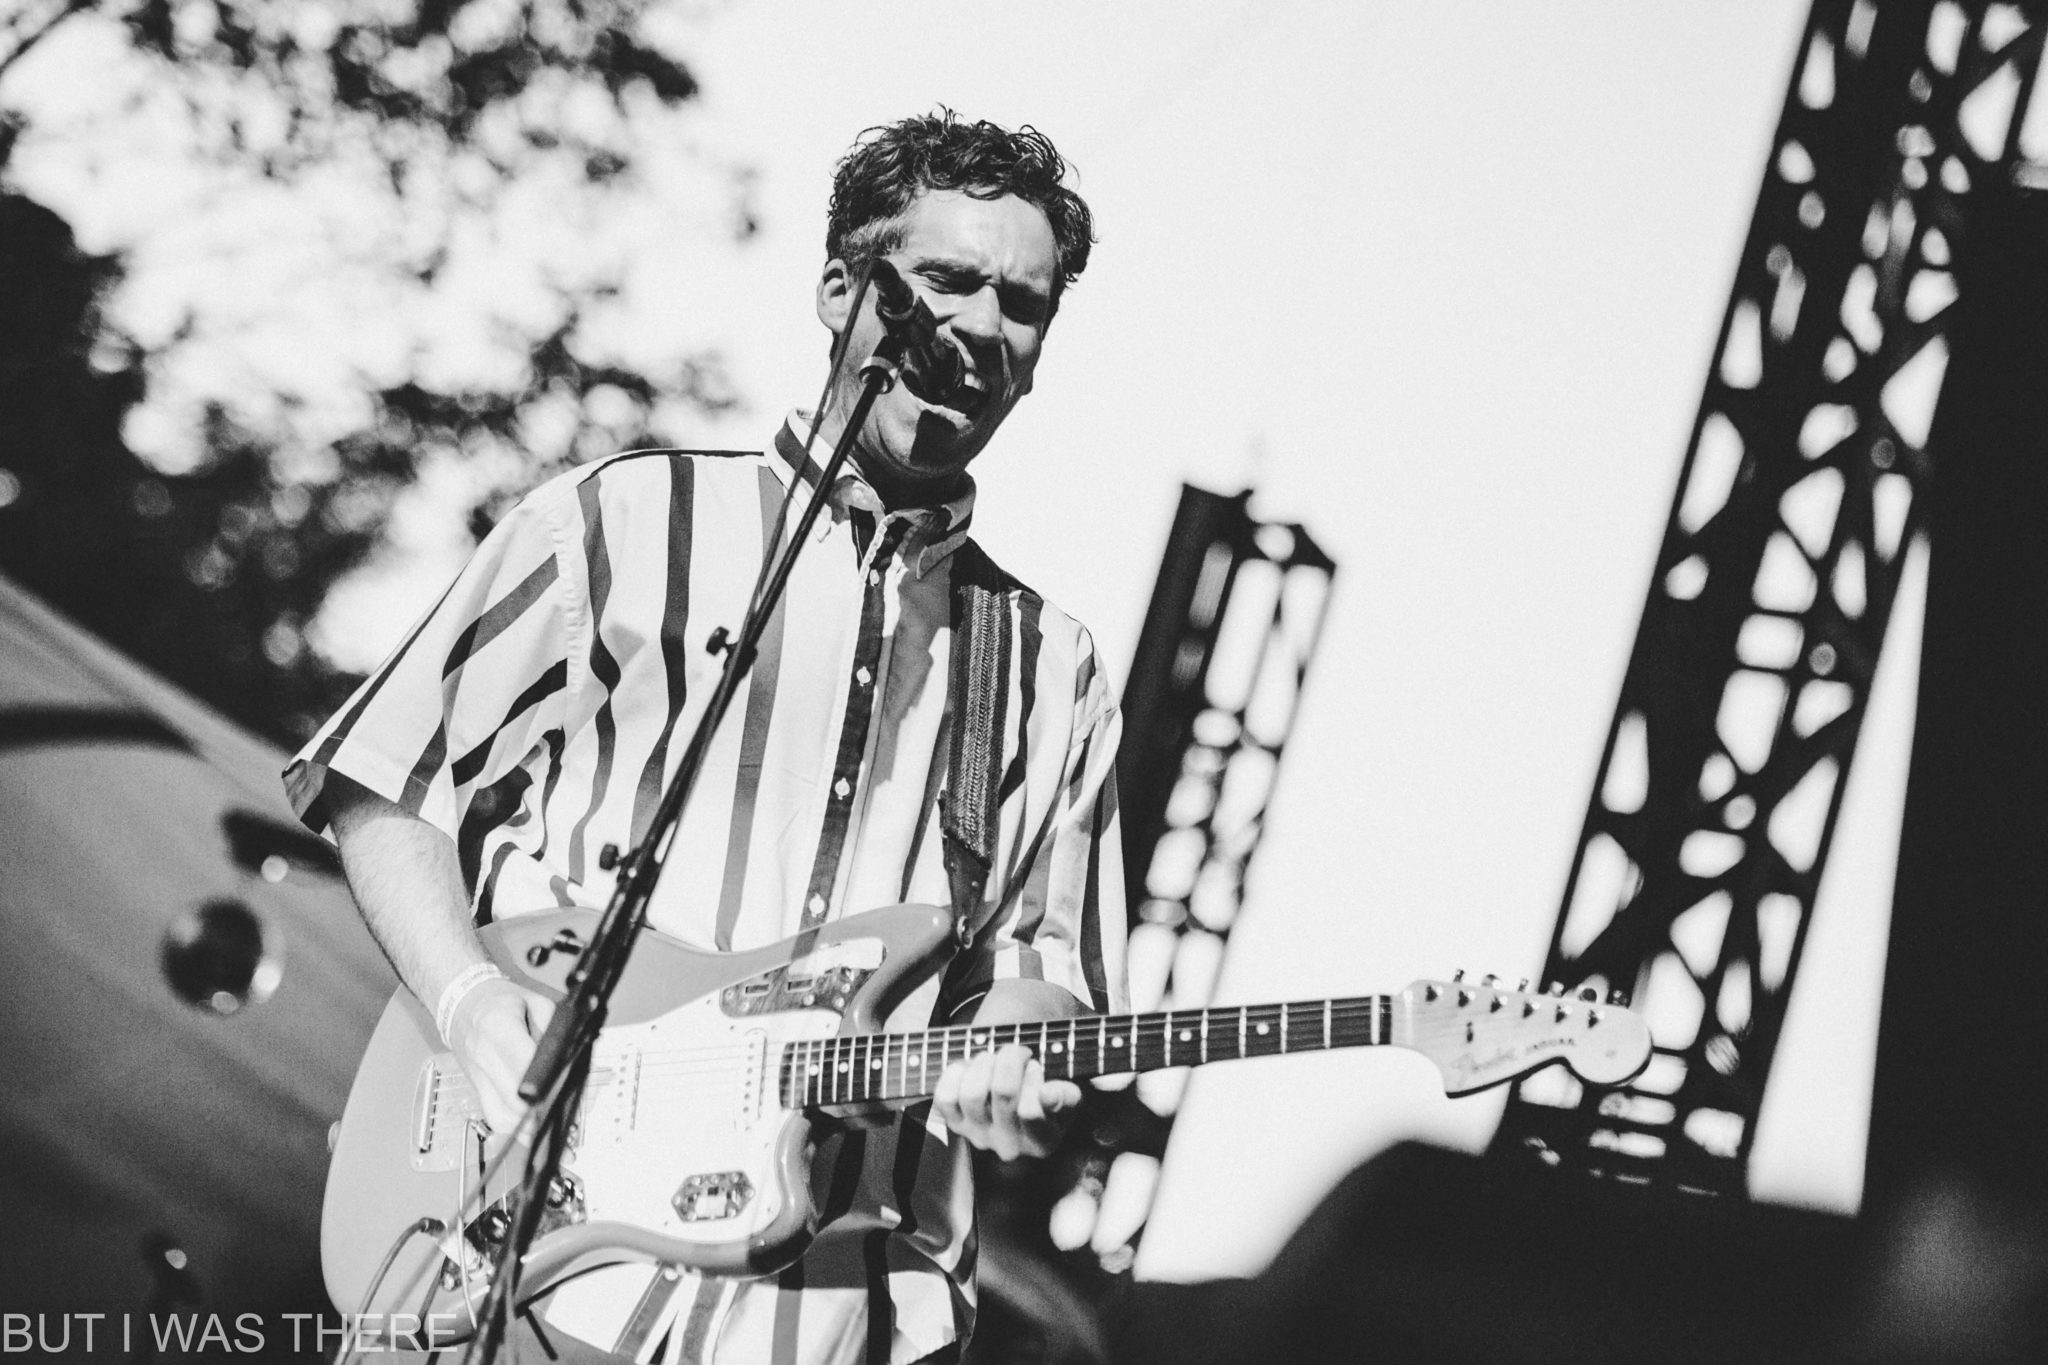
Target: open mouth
column 969, row 398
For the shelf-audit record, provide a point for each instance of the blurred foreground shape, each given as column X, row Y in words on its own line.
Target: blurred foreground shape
column 156, row 1154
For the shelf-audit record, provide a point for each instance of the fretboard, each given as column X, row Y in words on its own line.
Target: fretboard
column 898, row 1066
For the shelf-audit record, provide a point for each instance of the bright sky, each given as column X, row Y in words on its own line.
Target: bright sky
column 1440, row 281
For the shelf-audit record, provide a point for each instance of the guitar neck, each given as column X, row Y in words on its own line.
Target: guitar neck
column 870, row 1067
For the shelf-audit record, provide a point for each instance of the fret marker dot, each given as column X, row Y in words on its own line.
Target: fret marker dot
column 917, row 1061
column 843, row 1067
column 1264, row 1028
column 1116, row 1042
column 875, row 1065
column 1185, row 1035
column 815, row 1068
column 1059, row 1047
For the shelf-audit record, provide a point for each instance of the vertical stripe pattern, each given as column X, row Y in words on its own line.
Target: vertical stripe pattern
column 533, row 715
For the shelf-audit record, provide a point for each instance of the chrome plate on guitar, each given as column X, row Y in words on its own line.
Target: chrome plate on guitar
column 820, row 981
column 706, row 1197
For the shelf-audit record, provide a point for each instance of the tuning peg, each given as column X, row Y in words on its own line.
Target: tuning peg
column 1522, row 986
column 1458, row 975
column 1489, row 980
column 1618, row 997
column 1554, row 988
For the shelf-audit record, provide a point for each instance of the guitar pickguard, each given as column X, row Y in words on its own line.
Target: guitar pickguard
column 686, row 1148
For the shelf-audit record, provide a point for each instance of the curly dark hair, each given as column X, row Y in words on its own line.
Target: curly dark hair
column 888, row 167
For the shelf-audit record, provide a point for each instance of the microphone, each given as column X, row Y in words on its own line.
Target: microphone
column 932, row 365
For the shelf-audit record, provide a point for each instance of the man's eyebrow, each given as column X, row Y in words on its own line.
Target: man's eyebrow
column 940, row 261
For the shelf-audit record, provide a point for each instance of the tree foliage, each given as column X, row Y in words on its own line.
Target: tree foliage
column 166, row 475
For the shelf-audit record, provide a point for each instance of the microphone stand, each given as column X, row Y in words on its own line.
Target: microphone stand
column 561, row 1060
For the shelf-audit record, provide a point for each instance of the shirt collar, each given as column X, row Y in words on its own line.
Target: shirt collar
column 930, row 533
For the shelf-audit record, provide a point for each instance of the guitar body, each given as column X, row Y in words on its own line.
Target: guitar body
column 691, row 1145
column 684, row 1150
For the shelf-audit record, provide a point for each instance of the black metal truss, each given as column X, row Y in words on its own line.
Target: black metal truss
column 1213, row 693
column 1696, row 872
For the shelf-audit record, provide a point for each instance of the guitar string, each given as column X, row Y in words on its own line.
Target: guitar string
column 799, row 1060
column 1149, row 1029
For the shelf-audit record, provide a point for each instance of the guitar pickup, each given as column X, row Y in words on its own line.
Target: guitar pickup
column 442, row 1105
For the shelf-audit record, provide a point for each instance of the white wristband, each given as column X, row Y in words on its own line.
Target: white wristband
column 452, row 994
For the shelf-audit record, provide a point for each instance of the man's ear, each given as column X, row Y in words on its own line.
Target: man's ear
column 835, row 295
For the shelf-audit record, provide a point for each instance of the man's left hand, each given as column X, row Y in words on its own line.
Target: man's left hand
column 1001, row 1102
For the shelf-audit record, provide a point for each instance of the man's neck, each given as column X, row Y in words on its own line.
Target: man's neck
column 897, row 494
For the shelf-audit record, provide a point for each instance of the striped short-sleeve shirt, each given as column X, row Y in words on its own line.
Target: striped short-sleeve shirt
column 535, row 712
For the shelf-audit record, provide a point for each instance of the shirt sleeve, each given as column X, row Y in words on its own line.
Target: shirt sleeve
column 468, row 695
column 1062, row 920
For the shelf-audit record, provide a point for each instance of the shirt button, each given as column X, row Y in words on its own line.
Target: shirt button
column 841, row 788
column 874, row 577
column 817, row 904
column 862, row 676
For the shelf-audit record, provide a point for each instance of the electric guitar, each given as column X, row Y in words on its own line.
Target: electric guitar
column 692, row 1144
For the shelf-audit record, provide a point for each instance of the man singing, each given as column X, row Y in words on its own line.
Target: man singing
column 532, row 717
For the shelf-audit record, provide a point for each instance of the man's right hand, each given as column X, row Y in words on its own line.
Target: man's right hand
column 493, row 1032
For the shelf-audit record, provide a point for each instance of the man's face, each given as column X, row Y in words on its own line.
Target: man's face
column 986, row 268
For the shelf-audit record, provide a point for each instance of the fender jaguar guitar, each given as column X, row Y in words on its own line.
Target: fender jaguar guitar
column 692, row 1144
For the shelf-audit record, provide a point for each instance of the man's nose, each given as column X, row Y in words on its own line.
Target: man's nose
column 978, row 317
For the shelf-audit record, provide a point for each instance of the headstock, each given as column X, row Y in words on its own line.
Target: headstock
column 1480, row 1034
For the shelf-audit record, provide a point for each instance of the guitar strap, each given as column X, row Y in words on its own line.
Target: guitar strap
column 978, row 694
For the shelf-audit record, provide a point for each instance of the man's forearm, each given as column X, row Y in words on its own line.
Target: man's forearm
column 408, row 886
